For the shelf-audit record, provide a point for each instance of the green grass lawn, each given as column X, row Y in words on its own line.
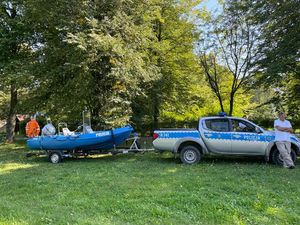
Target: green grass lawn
column 148, row 188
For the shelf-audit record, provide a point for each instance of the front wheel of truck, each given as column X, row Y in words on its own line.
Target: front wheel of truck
column 190, row 155
column 277, row 158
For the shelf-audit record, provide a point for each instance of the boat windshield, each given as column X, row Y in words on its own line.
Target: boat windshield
column 87, row 129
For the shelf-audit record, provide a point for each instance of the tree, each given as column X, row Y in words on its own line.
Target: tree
column 98, row 50
column 278, row 47
column 230, row 42
column 213, row 73
column 16, row 38
column 172, row 53
column 279, row 44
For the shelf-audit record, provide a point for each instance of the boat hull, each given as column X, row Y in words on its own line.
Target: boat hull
column 100, row 140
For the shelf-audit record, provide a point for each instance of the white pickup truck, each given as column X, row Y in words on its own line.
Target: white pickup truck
column 221, row 135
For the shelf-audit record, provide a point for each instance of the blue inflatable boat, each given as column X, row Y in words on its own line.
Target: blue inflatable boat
column 92, row 140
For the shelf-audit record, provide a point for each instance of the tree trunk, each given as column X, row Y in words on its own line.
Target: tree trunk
column 11, row 118
column 221, row 103
column 155, row 113
column 231, row 103
column 156, row 87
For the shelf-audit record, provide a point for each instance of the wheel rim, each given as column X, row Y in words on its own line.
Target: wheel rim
column 54, row 158
column 190, row 156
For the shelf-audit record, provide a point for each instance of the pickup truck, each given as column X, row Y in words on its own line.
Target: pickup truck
column 222, row 135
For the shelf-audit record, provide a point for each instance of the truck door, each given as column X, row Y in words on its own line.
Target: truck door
column 216, row 135
column 245, row 138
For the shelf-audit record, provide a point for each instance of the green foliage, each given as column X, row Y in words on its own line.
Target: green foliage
column 168, row 96
column 96, row 55
column 278, row 63
column 127, row 61
column 17, row 38
column 279, row 22
column 4, row 101
column 227, row 49
column 16, row 44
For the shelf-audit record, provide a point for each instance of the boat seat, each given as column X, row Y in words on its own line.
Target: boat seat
column 67, row 132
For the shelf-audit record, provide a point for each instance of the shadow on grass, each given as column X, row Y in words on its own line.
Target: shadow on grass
column 170, row 158
column 18, row 153
column 235, row 159
column 156, row 158
column 108, row 158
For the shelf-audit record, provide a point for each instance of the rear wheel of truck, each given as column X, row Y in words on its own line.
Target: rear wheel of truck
column 190, row 155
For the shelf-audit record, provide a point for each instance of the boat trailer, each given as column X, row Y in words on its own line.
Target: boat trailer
column 56, row 156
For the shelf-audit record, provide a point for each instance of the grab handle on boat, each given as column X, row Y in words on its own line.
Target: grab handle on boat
column 73, row 137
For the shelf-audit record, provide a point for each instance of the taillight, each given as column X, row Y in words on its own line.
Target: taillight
column 155, row 135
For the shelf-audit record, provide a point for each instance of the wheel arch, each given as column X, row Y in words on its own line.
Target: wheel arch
column 193, row 142
column 296, row 148
column 272, row 148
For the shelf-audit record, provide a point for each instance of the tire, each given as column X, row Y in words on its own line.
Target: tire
column 276, row 158
column 55, row 157
column 190, row 155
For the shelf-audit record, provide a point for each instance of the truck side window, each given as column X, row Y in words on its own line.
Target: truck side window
column 221, row 125
column 242, row 126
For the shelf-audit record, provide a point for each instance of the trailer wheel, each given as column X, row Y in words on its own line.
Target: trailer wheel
column 190, row 155
column 55, row 157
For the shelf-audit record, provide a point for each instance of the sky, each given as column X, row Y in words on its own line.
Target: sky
column 211, row 5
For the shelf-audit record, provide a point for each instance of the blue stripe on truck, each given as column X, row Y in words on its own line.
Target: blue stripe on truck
column 218, row 136
column 239, row 136
column 194, row 134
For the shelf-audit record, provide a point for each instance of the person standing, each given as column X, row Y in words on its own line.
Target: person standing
column 283, row 129
column 32, row 128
